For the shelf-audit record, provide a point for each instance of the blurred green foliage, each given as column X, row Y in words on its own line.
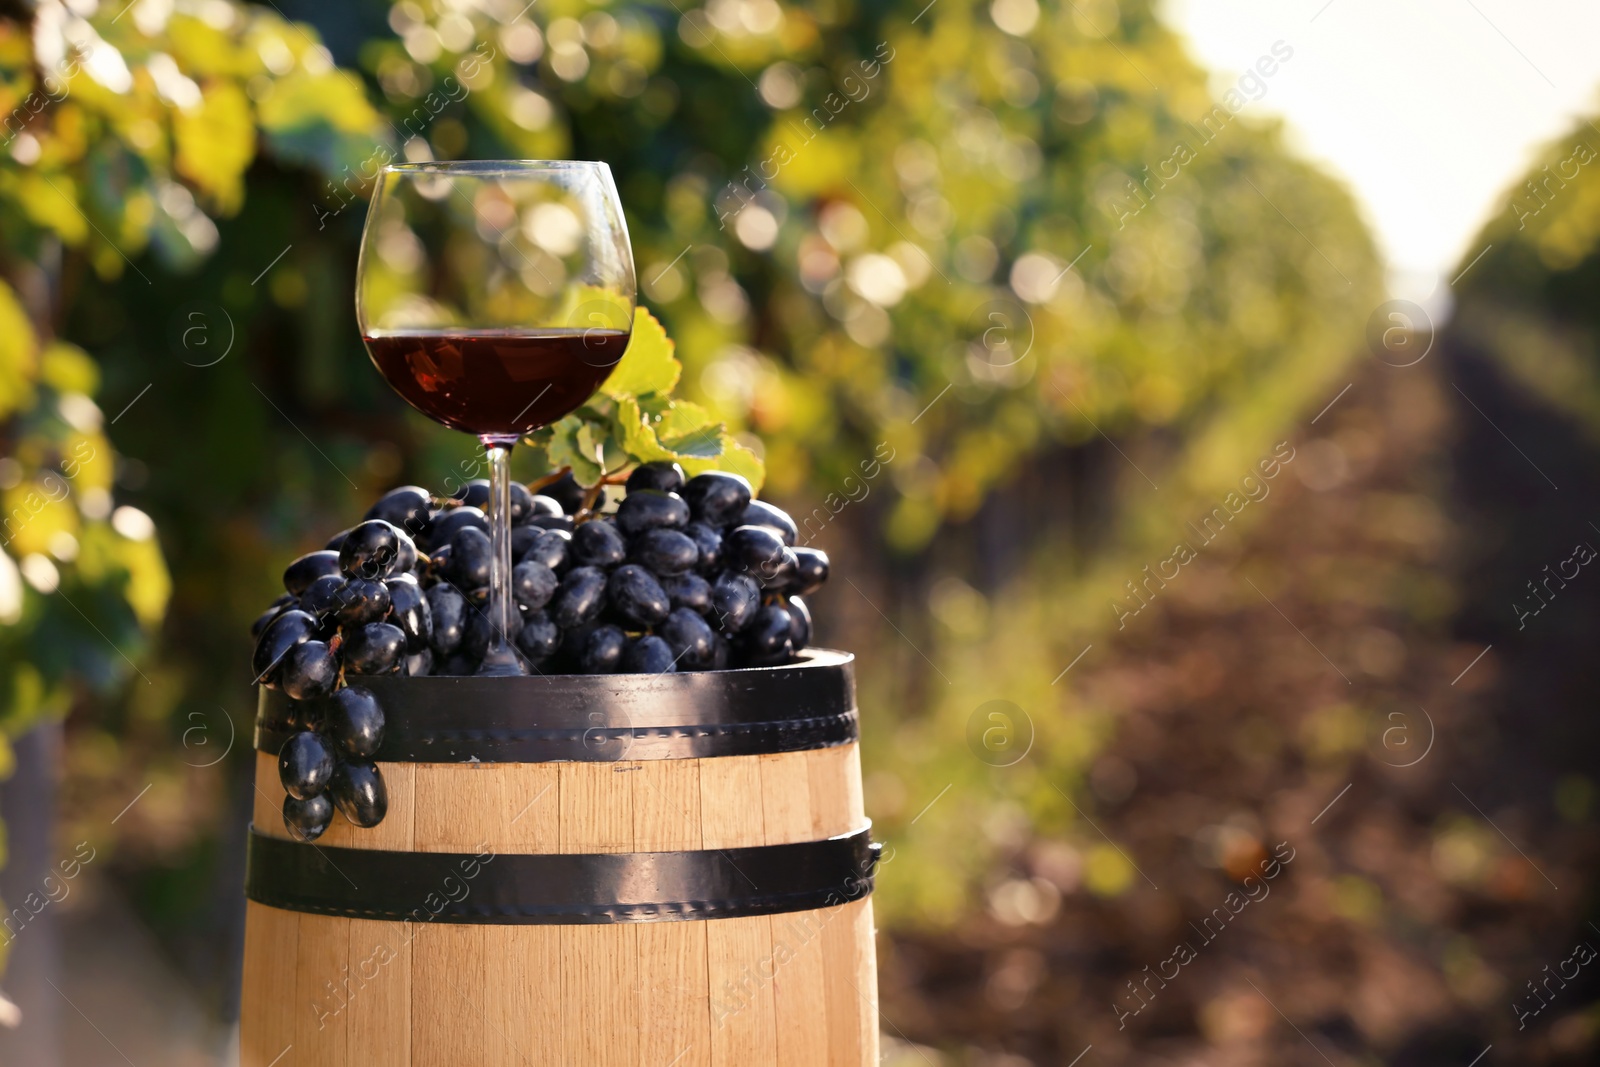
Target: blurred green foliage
column 957, row 240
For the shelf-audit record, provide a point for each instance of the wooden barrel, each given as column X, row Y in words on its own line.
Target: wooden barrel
column 617, row 871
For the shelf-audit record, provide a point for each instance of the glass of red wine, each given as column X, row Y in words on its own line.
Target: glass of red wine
column 496, row 297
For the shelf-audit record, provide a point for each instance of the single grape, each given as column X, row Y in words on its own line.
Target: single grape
column 651, row 509
column 310, row 672
column 298, row 576
column 664, row 551
column 418, row 664
column 521, row 504
column 532, row 585
column 475, row 637
column 546, row 507
column 278, row 607
column 663, row 475
column 307, row 819
column 549, row 547
column 447, row 522
column 363, row 600
column 522, row 539
column 291, row 628
column 353, row 721
column 648, row 655
column 688, row 591
column 779, row 575
column 371, row 551
column 358, row 790
column 471, row 558
column 734, row 600
column 305, row 763
column 715, row 498
column 475, row 494
column 761, row 513
column 580, row 596
column 690, row 638
column 405, row 558
column 375, row 648
column 449, row 610
column 766, row 640
column 439, row 560
column 723, row 656
column 811, row 570
column 602, row 651
column 708, row 540
column 597, row 544
column 755, row 550
column 324, row 597
column 799, row 623
column 407, row 507
column 539, row 638
column 636, row 596
column 409, row 610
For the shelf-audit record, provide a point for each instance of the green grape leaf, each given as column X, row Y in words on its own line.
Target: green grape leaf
column 686, row 434
column 565, row 449
column 648, row 366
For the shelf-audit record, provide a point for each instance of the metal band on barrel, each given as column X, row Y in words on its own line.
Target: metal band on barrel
column 569, row 890
column 603, row 718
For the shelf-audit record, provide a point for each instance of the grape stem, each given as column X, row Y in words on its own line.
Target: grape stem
column 591, row 494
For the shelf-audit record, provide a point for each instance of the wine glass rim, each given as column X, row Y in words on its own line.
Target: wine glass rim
column 493, row 166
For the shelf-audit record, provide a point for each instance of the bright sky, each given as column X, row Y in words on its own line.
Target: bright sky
column 1429, row 109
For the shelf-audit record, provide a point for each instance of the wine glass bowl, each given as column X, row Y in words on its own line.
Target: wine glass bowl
column 495, row 297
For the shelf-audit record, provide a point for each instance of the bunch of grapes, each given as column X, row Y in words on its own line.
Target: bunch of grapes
column 684, row 574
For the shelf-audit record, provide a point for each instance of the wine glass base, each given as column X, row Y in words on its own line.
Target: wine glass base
column 501, row 663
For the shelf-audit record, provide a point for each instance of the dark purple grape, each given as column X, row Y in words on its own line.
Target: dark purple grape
column 310, row 671
column 766, row 640
column 324, row 597
column 409, row 610
column 475, row 494
column 549, row 547
column 779, row 575
column 580, row 597
column 717, row 499
column 457, row 666
column 363, row 600
column 734, row 600
column 636, row 596
column 651, row 509
column 278, row 607
column 471, row 558
column 449, row 610
column 545, row 507
column 336, row 542
column 569, row 653
column 475, row 636
column 722, row 657
column 799, row 623
column 568, row 493
column 708, row 541
column 761, row 513
column 663, row 475
column 688, row 591
column 521, row 504
column 407, row 507
column 281, row 634
column 372, row 550
column 690, row 638
column 602, row 650
column 597, row 544
column 553, row 522
column 357, row 789
column 451, row 520
column 375, row 648
column 532, row 585
column 810, row 571
column 306, row 820
column 298, row 576
column 418, row 664
column 353, row 721
column 754, row 550
column 406, row 558
column 539, row 638
column 522, row 539
column 648, row 655
column 664, row 551
column 439, row 559
column 305, row 763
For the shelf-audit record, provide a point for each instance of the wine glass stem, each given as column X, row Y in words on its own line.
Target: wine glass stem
column 503, row 616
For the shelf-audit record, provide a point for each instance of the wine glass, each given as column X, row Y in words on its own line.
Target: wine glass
column 496, row 297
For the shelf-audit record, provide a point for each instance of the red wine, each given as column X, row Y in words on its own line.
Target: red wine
column 495, row 381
